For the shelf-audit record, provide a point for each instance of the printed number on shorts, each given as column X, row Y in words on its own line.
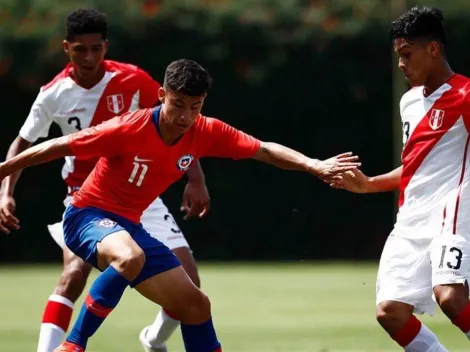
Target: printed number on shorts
column 175, row 229
column 455, row 256
column 139, row 170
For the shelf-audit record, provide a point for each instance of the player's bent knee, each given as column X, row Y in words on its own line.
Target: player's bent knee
column 73, row 281
column 196, row 309
column 393, row 315
column 451, row 298
column 129, row 262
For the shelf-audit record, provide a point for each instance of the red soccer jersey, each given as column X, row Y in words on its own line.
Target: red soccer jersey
column 136, row 166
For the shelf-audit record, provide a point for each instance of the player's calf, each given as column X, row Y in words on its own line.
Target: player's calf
column 73, row 279
column 398, row 320
column 454, row 302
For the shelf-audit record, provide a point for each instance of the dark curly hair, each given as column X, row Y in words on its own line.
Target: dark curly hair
column 85, row 21
column 419, row 23
column 187, row 77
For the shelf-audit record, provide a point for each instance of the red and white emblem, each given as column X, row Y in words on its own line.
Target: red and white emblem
column 115, row 103
column 185, row 162
column 436, row 118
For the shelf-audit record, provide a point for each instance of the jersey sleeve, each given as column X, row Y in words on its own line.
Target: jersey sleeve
column 466, row 111
column 148, row 90
column 119, row 135
column 39, row 120
column 219, row 139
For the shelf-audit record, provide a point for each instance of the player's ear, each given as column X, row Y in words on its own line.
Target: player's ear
column 106, row 46
column 161, row 95
column 65, row 45
column 433, row 48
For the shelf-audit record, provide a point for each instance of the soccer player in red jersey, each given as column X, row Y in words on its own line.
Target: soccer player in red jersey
column 428, row 251
column 88, row 91
column 142, row 153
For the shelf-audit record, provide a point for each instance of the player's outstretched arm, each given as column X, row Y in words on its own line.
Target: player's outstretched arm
column 355, row 181
column 289, row 159
column 39, row 154
column 196, row 199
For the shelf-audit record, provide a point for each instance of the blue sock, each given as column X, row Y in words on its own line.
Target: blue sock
column 200, row 338
column 103, row 296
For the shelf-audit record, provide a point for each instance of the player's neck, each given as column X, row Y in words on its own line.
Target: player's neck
column 168, row 135
column 441, row 75
column 89, row 82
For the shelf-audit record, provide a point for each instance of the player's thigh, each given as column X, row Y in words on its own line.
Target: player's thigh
column 450, row 259
column 160, row 224
column 405, row 273
column 86, row 232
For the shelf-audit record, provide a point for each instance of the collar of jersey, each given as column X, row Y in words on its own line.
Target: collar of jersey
column 156, row 119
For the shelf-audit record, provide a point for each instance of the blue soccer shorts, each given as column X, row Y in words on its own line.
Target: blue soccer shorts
column 85, row 227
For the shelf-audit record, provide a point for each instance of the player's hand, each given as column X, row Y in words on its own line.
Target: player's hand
column 330, row 169
column 196, row 200
column 353, row 181
column 8, row 221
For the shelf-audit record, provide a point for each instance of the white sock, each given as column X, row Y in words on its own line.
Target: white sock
column 50, row 337
column 161, row 329
column 425, row 341
column 55, row 321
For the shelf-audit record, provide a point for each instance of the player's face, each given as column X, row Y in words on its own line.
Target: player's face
column 86, row 53
column 180, row 110
column 415, row 60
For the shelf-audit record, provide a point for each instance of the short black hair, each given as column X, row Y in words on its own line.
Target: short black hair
column 187, row 77
column 419, row 23
column 86, row 21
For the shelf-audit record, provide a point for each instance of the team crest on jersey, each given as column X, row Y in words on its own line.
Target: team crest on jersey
column 106, row 223
column 115, row 103
column 185, row 162
column 436, row 119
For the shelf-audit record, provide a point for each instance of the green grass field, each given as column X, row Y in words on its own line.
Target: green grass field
column 268, row 308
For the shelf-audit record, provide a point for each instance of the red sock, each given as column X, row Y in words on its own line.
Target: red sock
column 408, row 332
column 463, row 320
column 218, row 350
column 58, row 311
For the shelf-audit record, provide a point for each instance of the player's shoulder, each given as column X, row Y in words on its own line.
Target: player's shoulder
column 205, row 123
column 410, row 96
column 55, row 85
column 461, row 85
column 126, row 69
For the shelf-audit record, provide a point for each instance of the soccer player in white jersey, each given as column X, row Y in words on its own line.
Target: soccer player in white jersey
column 87, row 92
column 428, row 250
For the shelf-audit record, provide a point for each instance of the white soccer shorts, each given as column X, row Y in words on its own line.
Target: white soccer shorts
column 410, row 268
column 156, row 219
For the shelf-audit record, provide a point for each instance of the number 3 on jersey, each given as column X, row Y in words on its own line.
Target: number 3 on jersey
column 406, row 132
column 139, row 170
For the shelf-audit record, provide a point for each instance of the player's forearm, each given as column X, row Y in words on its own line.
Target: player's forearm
column 39, row 154
column 19, row 145
column 195, row 173
column 386, row 182
column 285, row 158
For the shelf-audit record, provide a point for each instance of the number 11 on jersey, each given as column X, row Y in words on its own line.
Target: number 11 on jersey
column 143, row 170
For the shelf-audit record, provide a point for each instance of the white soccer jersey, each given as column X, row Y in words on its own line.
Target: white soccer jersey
column 434, row 187
column 123, row 88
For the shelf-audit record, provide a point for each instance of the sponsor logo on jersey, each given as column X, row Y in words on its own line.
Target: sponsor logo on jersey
column 436, row 118
column 184, row 162
column 106, row 223
column 115, row 103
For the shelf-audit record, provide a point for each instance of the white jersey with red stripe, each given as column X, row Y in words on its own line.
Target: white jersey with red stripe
column 123, row 88
column 434, row 186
